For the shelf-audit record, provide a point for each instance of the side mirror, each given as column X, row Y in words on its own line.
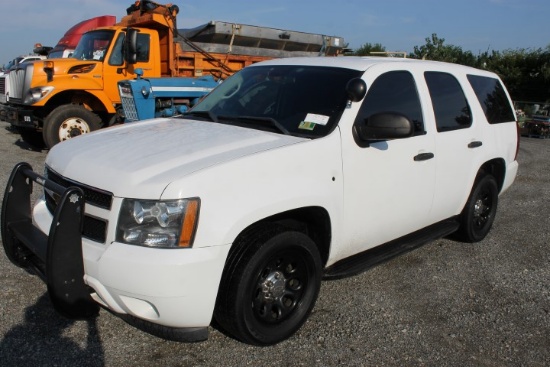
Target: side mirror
column 385, row 126
column 130, row 46
column 356, row 89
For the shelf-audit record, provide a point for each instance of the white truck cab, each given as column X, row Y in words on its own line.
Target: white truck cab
column 290, row 171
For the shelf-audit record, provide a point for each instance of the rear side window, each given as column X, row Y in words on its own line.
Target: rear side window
column 492, row 97
column 451, row 108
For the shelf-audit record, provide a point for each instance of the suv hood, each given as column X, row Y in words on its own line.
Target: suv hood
column 141, row 159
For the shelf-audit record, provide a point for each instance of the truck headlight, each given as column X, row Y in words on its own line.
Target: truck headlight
column 36, row 94
column 168, row 224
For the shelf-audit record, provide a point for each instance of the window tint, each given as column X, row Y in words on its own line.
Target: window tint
column 300, row 100
column 492, row 97
column 394, row 91
column 450, row 106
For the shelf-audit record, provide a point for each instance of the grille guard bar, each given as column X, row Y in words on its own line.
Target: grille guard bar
column 56, row 257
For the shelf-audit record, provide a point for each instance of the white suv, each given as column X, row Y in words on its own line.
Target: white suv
column 290, row 170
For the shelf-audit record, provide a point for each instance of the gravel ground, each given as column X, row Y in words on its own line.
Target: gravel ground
column 445, row 304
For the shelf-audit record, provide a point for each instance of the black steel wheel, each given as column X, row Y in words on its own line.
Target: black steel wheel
column 479, row 213
column 269, row 286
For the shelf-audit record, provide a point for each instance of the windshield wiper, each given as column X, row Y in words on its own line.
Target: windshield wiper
column 255, row 119
column 206, row 114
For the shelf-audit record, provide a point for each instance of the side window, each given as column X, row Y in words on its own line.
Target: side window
column 116, row 55
column 394, row 91
column 451, row 108
column 142, row 47
column 492, row 97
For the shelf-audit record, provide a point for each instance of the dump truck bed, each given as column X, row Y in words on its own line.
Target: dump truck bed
column 242, row 39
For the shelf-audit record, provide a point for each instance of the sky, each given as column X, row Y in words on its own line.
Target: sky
column 399, row 25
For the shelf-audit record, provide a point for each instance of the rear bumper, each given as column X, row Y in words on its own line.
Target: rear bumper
column 510, row 176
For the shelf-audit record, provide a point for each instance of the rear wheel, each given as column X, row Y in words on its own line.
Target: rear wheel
column 269, row 286
column 66, row 122
column 480, row 210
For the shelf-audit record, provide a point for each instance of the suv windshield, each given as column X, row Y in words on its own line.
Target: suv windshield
column 298, row 100
column 93, row 45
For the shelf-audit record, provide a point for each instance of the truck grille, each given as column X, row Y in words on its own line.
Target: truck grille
column 93, row 228
column 130, row 112
column 3, row 84
column 17, row 80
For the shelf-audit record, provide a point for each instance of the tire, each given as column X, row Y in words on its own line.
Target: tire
column 479, row 213
column 66, row 122
column 269, row 286
column 32, row 137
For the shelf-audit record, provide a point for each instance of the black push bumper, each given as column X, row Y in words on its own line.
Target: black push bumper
column 56, row 257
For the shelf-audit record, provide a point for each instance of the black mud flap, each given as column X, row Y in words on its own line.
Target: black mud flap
column 56, row 257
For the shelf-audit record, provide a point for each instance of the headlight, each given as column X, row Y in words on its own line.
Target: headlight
column 169, row 224
column 36, row 94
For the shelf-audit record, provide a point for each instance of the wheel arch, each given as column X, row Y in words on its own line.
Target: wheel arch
column 495, row 167
column 313, row 221
column 96, row 103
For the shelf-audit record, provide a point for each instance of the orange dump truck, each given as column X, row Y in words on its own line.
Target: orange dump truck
column 63, row 98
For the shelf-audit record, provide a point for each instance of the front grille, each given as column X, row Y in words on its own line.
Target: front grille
column 93, row 228
column 130, row 112
column 2, row 84
column 93, row 196
column 17, row 81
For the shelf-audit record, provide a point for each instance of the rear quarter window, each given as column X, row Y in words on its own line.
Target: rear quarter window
column 492, row 98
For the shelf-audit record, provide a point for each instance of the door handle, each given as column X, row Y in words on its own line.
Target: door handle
column 475, row 144
column 423, row 157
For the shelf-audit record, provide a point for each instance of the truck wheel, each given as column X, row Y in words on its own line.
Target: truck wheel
column 32, row 137
column 66, row 122
column 480, row 210
column 269, row 286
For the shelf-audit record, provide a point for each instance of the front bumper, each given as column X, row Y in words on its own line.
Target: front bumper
column 169, row 293
column 21, row 116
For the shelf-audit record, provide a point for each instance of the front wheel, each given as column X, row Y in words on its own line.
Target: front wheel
column 32, row 137
column 66, row 122
column 269, row 286
column 480, row 210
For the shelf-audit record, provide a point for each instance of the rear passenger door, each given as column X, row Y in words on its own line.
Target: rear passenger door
column 458, row 141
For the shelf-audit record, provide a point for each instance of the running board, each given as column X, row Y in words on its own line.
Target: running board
column 365, row 260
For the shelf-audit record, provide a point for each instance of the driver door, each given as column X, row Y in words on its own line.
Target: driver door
column 388, row 185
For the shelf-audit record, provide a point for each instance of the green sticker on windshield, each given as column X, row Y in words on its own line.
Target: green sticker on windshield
column 304, row 125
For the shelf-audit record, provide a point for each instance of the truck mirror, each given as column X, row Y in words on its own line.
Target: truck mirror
column 385, row 126
column 130, row 46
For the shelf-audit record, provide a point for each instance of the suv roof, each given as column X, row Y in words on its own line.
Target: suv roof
column 365, row 62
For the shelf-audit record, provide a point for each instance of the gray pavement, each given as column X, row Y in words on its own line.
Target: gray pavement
column 445, row 304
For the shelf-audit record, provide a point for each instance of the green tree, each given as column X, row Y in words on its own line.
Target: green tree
column 368, row 48
column 435, row 49
column 525, row 72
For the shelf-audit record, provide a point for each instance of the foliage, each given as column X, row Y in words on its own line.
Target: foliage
column 368, row 48
column 434, row 49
